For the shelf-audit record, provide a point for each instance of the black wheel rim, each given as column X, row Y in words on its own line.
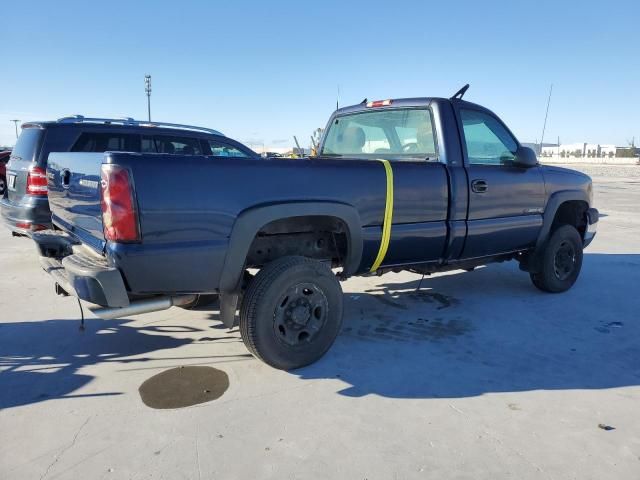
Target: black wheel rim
column 564, row 261
column 300, row 314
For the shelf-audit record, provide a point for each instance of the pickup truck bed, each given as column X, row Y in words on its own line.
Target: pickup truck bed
column 198, row 223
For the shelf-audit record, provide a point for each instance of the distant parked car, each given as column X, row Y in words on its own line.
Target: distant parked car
column 26, row 207
column 271, row 155
column 4, row 158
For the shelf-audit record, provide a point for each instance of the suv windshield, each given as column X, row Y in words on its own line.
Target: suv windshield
column 401, row 133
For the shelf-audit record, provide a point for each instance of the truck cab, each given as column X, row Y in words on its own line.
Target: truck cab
column 478, row 192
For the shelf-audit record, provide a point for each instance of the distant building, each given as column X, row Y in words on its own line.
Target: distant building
column 581, row 150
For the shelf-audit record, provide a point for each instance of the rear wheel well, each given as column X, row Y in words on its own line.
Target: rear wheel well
column 572, row 213
column 319, row 237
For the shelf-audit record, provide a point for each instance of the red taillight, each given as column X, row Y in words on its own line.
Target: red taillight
column 119, row 212
column 37, row 181
column 379, row 103
column 34, row 227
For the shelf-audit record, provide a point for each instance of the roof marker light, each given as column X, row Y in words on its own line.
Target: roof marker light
column 379, row 103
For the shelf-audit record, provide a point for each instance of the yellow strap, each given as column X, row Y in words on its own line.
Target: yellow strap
column 388, row 217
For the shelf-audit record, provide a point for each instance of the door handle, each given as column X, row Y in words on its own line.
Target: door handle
column 479, row 186
column 65, row 178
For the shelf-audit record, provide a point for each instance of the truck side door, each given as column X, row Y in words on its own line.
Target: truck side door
column 506, row 201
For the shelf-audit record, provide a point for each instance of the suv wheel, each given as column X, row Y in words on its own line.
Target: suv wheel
column 561, row 261
column 291, row 313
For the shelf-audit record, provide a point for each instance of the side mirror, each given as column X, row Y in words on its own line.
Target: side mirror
column 526, row 157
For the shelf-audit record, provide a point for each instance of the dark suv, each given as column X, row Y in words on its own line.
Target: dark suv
column 25, row 207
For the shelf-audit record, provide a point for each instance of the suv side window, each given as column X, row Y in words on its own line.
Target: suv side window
column 487, row 141
column 105, row 142
column 148, row 145
column 177, row 145
column 219, row 149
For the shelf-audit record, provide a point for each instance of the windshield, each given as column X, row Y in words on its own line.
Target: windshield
column 405, row 133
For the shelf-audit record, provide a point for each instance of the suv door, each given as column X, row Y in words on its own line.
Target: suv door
column 506, row 201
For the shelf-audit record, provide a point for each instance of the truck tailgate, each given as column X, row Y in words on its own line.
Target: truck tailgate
column 74, row 195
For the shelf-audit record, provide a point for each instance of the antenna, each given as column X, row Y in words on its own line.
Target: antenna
column 460, row 93
column 544, row 126
column 338, row 98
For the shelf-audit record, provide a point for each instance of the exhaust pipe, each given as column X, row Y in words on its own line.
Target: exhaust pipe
column 143, row 306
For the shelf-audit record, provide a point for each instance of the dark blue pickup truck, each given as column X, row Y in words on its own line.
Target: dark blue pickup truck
column 419, row 184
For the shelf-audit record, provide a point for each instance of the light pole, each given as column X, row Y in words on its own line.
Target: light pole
column 147, row 89
column 15, row 123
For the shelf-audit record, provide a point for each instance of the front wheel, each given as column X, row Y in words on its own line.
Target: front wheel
column 561, row 261
column 3, row 185
column 291, row 313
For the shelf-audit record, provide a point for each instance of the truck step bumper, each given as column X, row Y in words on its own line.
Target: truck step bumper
column 78, row 272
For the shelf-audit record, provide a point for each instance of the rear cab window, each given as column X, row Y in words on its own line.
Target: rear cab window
column 395, row 134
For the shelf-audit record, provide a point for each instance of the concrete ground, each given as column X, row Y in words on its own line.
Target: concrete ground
column 478, row 376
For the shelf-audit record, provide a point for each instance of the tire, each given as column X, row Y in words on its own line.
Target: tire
column 291, row 313
column 201, row 301
column 561, row 261
column 3, row 185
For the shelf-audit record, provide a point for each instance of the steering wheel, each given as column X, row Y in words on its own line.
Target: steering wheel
column 410, row 147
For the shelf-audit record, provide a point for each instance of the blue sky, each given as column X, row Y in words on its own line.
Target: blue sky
column 262, row 72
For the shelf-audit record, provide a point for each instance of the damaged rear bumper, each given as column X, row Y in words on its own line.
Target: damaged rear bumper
column 79, row 272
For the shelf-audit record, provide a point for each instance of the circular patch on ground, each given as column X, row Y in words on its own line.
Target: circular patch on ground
column 184, row 386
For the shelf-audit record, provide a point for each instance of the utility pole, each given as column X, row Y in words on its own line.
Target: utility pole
column 15, row 123
column 147, row 89
column 300, row 151
column 545, row 118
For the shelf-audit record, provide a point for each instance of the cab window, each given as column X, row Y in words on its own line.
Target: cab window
column 488, row 142
column 396, row 134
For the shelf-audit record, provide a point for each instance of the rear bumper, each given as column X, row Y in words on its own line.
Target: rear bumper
column 592, row 226
column 78, row 272
column 28, row 215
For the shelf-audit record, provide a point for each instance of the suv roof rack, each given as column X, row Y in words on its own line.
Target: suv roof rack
column 133, row 122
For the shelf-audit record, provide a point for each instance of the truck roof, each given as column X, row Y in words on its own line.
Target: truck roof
column 403, row 103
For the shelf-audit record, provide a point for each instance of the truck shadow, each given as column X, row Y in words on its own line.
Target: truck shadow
column 489, row 331
column 41, row 360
